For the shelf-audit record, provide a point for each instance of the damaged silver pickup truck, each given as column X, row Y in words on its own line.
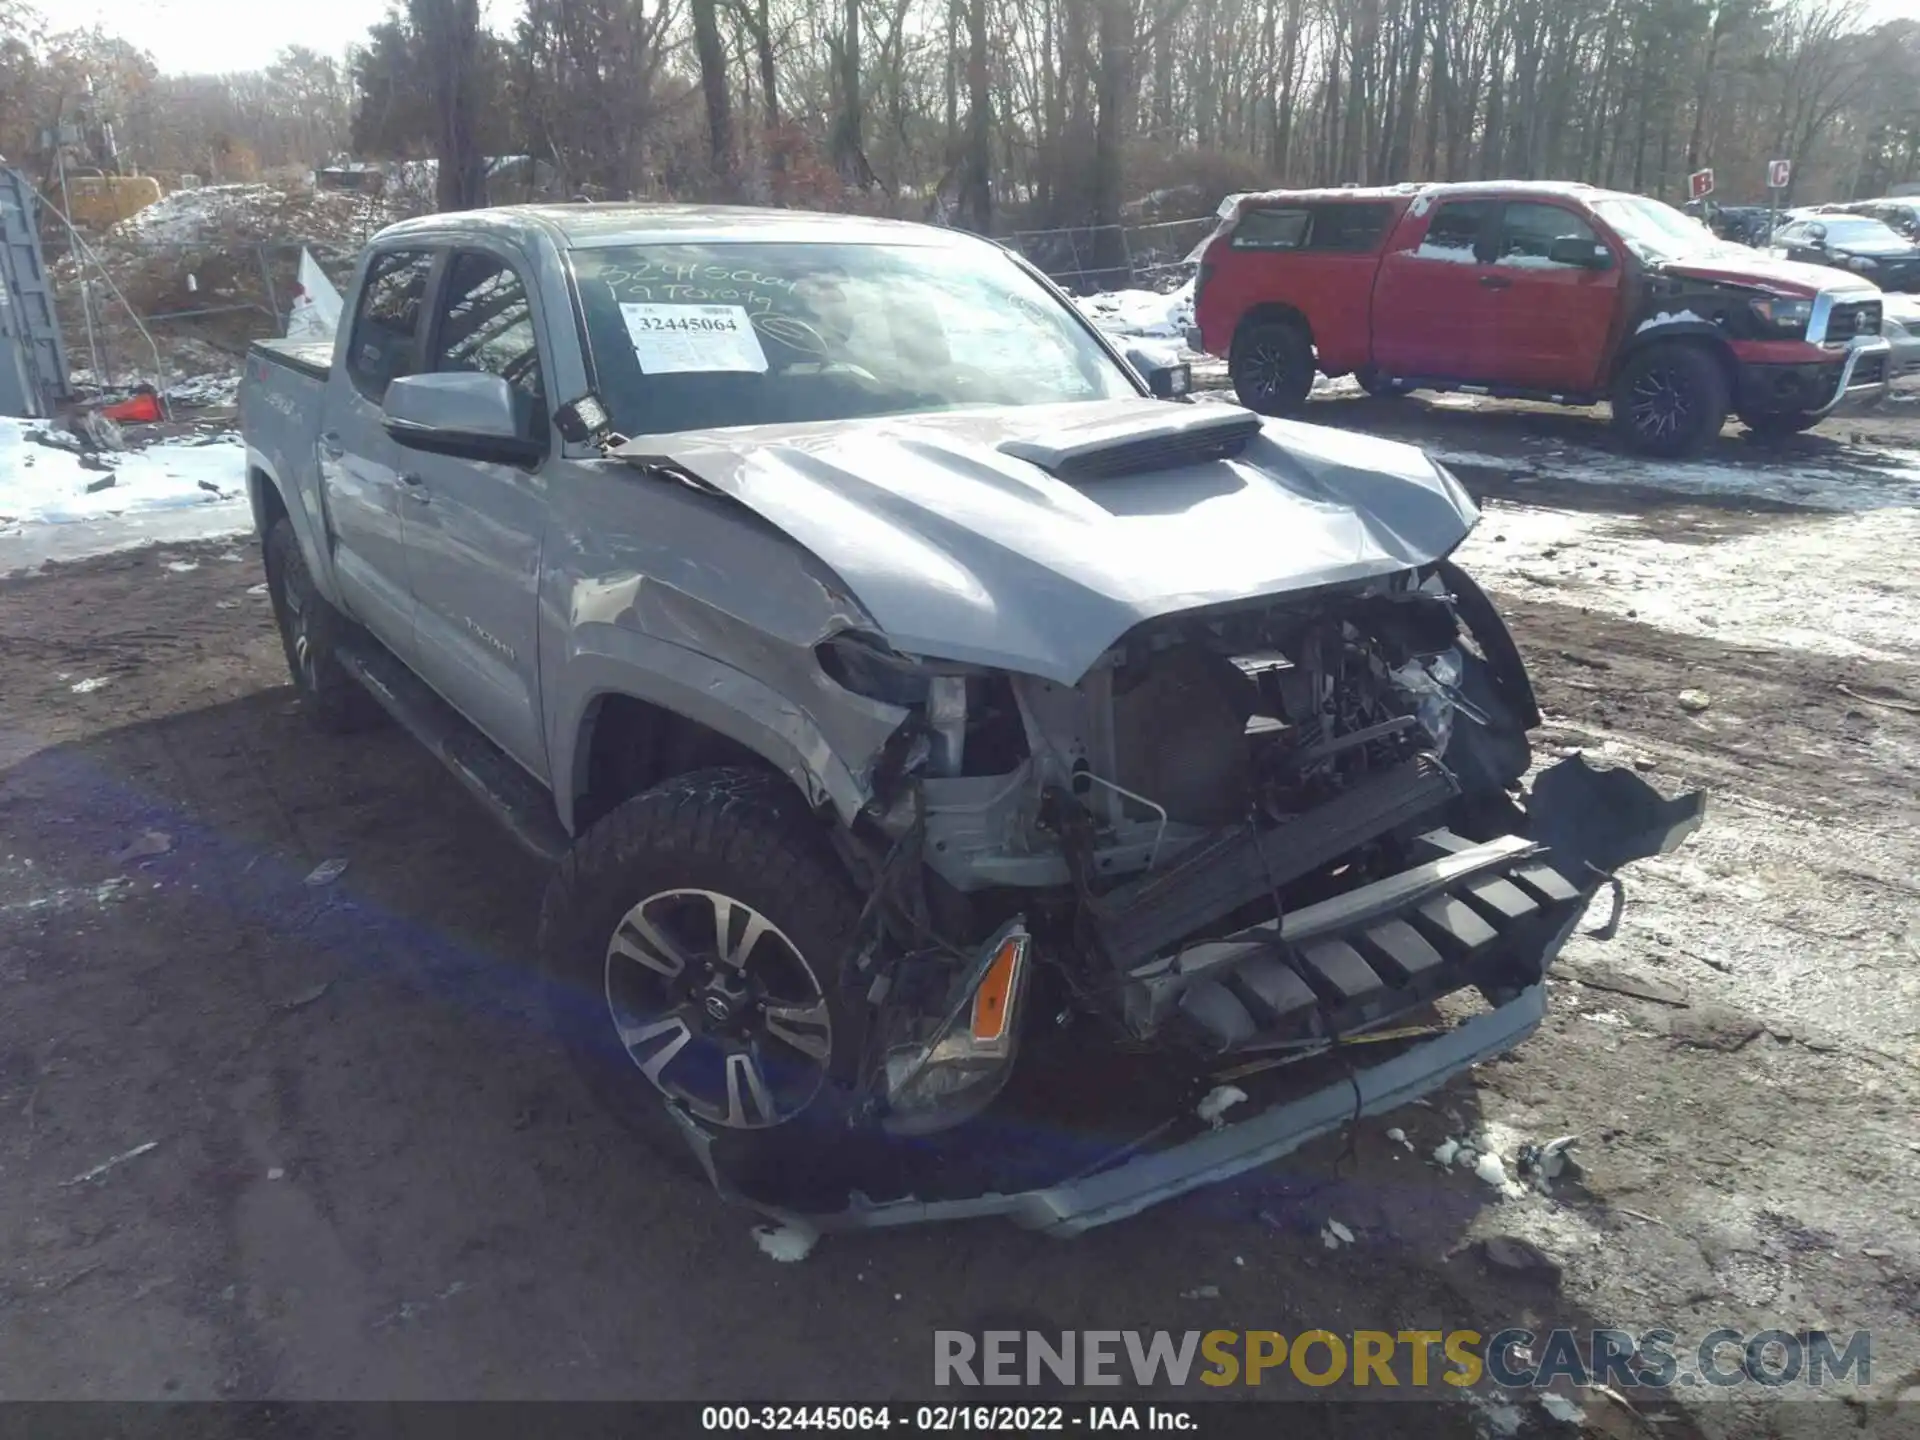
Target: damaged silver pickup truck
column 943, row 726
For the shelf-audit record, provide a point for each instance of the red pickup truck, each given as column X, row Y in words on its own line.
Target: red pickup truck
column 1533, row 291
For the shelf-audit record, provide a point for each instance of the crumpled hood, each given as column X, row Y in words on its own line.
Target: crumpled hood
column 962, row 551
column 1760, row 270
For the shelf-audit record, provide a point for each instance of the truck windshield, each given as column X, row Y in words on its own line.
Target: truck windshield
column 1656, row 232
column 695, row 336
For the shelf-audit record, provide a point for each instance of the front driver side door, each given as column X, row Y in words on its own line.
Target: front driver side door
column 475, row 528
column 1433, row 303
column 1553, row 318
column 360, row 465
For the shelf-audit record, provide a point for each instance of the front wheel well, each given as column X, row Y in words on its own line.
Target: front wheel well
column 628, row 746
column 1707, row 340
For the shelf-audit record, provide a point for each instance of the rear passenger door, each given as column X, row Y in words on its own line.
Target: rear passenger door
column 475, row 528
column 360, row 466
column 1433, row 316
column 1553, row 318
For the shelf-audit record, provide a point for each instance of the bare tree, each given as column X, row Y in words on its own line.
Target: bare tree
column 713, row 86
column 449, row 32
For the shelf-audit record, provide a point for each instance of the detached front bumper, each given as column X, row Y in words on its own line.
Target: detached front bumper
column 1583, row 824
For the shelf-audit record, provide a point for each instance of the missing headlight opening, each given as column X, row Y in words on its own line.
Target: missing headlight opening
column 1245, row 838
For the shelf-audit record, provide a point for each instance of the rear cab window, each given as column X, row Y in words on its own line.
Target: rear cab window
column 1349, row 227
column 1272, row 229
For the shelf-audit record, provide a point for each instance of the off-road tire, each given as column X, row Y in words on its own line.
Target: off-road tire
column 1272, row 367
column 310, row 633
column 1777, row 424
column 1670, row 400
column 743, row 833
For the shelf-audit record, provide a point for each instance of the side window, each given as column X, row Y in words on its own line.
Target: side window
column 386, row 327
column 1454, row 232
column 1528, row 230
column 1271, row 230
column 1348, row 227
column 486, row 324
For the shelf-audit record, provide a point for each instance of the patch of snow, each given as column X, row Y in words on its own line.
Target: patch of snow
column 1217, row 1101
column 1489, row 1168
column 1495, row 1419
column 1669, row 317
column 1335, row 1235
column 1868, row 478
column 1421, row 204
column 1444, row 1152
column 1327, row 387
column 1562, row 1409
column 186, row 216
column 89, row 685
column 785, row 1243
column 201, row 391
column 47, row 512
column 1533, row 262
column 1146, row 313
column 1451, row 254
column 1836, row 585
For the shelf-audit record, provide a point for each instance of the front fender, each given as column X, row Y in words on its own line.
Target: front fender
column 825, row 747
column 1694, row 332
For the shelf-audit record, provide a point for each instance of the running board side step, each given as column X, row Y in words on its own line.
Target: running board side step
column 515, row 798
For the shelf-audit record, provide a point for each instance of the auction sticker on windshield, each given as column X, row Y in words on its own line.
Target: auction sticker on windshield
column 678, row 339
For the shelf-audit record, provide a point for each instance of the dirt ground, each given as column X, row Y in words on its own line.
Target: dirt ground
column 263, row 1138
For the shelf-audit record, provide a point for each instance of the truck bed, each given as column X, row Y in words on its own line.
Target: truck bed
column 310, row 357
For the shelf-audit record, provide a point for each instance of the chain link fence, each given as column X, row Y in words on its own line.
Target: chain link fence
column 1084, row 259
column 202, row 304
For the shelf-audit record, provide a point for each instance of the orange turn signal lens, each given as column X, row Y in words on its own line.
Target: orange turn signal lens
column 994, row 999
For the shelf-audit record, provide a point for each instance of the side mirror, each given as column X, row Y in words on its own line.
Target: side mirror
column 467, row 414
column 1817, row 236
column 1587, row 254
column 1167, row 377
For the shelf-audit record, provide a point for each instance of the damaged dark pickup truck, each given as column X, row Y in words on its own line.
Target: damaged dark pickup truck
column 942, row 726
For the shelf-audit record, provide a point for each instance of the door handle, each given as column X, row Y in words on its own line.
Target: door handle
column 1495, row 282
column 416, row 490
column 330, row 445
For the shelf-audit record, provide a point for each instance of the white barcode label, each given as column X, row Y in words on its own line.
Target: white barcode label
column 681, row 339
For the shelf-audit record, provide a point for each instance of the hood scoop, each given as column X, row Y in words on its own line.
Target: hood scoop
column 1137, row 442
